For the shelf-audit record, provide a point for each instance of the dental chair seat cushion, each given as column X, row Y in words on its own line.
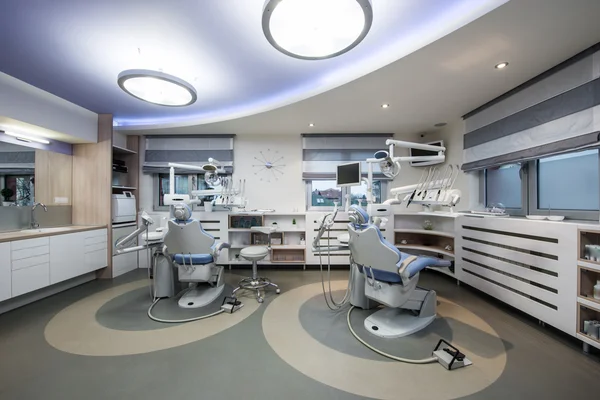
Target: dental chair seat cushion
column 254, row 253
column 195, row 259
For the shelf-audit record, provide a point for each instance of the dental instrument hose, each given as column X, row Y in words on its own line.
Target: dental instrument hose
column 332, row 304
column 380, row 352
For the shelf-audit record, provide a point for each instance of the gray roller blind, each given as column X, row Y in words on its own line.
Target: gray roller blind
column 322, row 153
column 557, row 112
column 17, row 162
column 193, row 150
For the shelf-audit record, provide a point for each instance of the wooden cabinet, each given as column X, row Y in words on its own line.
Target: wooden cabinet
column 5, row 272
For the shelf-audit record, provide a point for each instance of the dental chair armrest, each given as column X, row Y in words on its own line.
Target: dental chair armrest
column 218, row 247
column 403, row 269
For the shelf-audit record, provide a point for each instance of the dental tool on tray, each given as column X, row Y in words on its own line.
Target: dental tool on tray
column 434, row 188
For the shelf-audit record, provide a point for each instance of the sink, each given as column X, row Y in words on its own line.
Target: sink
column 44, row 230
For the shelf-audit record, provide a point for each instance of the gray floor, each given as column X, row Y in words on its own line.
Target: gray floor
column 239, row 364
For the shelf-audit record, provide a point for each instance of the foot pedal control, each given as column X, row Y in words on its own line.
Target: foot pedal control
column 450, row 357
column 231, row 304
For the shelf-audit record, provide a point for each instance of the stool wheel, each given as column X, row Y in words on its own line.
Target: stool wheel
column 260, row 300
column 278, row 291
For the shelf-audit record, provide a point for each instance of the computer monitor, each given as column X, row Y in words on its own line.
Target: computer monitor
column 348, row 175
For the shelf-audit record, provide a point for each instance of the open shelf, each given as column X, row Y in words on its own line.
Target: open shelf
column 245, row 221
column 587, row 279
column 122, row 151
column 432, row 249
column 287, row 255
column 585, row 313
column 124, row 188
column 589, row 246
column 425, row 232
column 445, row 271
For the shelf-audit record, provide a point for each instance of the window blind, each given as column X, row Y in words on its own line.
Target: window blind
column 194, row 150
column 17, row 162
column 322, row 153
column 554, row 113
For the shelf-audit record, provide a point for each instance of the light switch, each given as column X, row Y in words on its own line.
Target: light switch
column 61, row 200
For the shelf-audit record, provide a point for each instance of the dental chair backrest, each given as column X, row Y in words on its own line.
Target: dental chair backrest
column 185, row 235
column 368, row 246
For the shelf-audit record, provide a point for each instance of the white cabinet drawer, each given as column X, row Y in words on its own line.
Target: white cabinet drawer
column 94, row 247
column 5, row 272
column 29, row 279
column 95, row 240
column 96, row 233
column 30, row 261
column 29, row 252
column 28, row 243
column 95, row 260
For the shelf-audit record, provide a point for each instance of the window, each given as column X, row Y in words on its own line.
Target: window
column 23, row 188
column 503, row 185
column 321, row 194
column 569, row 182
column 566, row 184
column 182, row 186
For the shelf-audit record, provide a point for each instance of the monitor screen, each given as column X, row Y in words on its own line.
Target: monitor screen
column 420, row 153
column 348, row 175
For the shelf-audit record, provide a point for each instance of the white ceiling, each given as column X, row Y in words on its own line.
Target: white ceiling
column 440, row 82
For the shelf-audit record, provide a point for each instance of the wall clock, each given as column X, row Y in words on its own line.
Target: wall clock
column 269, row 166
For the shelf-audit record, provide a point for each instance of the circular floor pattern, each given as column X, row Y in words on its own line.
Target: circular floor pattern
column 376, row 378
column 76, row 330
column 128, row 312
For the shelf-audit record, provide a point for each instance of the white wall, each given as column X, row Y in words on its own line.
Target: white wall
column 287, row 193
column 22, row 102
column 452, row 135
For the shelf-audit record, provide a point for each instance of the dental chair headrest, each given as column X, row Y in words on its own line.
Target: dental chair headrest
column 182, row 212
column 358, row 216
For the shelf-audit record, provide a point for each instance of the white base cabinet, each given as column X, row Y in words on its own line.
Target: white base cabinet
column 5, row 272
column 31, row 264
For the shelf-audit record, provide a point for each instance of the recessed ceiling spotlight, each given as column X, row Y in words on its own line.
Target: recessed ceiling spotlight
column 157, row 87
column 502, row 65
column 316, row 29
column 311, row 124
column 27, row 138
column 385, row 105
column 440, row 124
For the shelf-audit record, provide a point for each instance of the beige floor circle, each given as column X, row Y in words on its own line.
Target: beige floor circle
column 377, row 379
column 75, row 329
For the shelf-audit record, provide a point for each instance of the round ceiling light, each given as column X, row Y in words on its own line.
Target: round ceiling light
column 501, row 65
column 157, row 87
column 316, row 29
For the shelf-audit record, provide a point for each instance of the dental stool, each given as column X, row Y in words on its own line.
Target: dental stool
column 194, row 252
column 255, row 254
column 389, row 277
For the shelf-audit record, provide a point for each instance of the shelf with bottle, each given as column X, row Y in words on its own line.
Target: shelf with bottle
column 589, row 285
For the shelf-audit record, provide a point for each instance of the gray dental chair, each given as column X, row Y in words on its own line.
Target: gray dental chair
column 194, row 252
column 389, row 278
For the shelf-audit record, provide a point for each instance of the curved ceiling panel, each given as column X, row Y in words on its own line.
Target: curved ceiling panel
column 75, row 49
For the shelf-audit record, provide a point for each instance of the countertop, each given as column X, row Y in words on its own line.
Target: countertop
column 43, row 232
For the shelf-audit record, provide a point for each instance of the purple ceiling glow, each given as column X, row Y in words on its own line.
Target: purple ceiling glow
column 75, row 49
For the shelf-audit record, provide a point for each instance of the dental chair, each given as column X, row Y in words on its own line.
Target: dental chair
column 194, row 252
column 390, row 278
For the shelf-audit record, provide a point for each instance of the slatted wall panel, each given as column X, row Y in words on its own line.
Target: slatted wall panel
column 527, row 264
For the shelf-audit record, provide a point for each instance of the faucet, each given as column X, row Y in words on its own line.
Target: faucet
column 34, row 223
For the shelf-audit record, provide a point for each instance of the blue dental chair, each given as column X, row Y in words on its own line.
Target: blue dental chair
column 194, row 252
column 389, row 278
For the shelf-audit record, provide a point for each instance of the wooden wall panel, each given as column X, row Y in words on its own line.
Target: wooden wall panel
column 53, row 177
column 92, row 182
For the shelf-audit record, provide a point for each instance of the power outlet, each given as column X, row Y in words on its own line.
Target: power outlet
column 61, row 200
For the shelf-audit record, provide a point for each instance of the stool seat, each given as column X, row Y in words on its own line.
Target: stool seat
column 254, row 253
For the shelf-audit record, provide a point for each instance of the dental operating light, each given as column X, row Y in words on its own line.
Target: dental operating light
column 316, row 29
column 157, row 87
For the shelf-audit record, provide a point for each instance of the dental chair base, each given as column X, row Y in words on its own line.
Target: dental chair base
column 398, row 322
column 201, row 294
